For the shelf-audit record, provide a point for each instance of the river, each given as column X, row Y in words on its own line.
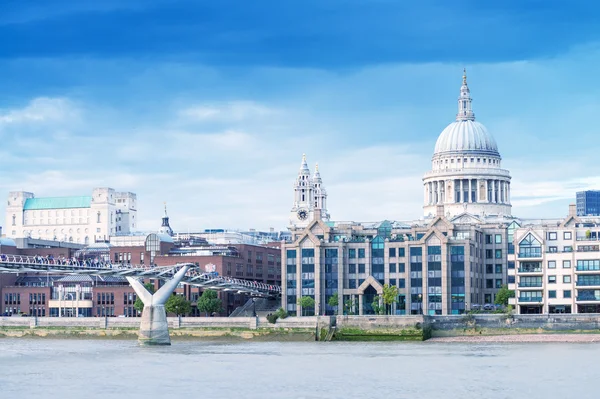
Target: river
column 66, row 369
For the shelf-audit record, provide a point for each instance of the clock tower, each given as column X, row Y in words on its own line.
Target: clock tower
column 303, row 208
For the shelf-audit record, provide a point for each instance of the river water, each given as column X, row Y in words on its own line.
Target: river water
column 44, row 368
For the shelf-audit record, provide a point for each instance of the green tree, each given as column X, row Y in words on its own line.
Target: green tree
column 349, row 305
column 377, row 308
column 306, row 302
column 333, row 301
column 178, row 304
column 139, row 305
column 390, row 296
column 503, row 294
column 209, row 302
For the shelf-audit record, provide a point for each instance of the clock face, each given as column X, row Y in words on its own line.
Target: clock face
column 302, row 214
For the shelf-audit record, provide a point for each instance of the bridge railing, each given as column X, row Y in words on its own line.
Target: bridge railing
column 193, row 275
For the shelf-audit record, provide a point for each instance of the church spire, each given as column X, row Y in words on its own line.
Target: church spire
column 304, row 165
column 165, row 228
column 465, row 110
column 317, row 175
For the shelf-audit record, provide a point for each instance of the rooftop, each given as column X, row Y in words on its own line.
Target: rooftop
column 32, row 204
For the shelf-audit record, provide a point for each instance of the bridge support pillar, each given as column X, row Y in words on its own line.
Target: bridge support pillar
column 154, row 329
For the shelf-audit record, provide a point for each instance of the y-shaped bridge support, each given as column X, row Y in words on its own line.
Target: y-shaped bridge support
column 154, row 329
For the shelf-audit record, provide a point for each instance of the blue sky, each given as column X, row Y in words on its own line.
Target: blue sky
column 209, row 105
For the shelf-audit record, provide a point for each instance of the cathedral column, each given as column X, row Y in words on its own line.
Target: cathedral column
column 461, row 195
column 469, row 197
column 443, row 191
column 493, row 191
column 439, row 192
column 507, row 192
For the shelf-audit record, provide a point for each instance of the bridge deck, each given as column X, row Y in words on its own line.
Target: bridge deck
column 194, row 277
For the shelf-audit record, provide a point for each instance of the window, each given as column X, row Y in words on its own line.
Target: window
column 567, row 248
column 498, row 254
column 392, row 252
column 498, row 238
column 551, row 264
column 392, row 268
column 488, row 238
column 552, row 249
column 552, row 235
column 401, row 252
column 489, row 269
column 361, row 253
column 511, row 265
column 567, row 294
column 498, row 283
column 566, row 279
column 551, row 279
column 566, row 264
column 402, row 283
column 552, row 294
column 401, row 268
column 567, row 235
column 489, row 283
column 352, row 268
column 498, row 269
column 489, row 254
column 361, row 267
column 352, row 253
column 98, row 217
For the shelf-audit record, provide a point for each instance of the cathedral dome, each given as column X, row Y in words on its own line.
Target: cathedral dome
column 466, row 136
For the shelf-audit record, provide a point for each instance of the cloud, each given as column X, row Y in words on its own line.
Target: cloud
column 40, row 110
column 227, row 112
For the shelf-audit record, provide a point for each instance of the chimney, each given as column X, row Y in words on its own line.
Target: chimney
column 572, row 210
column 439, row 210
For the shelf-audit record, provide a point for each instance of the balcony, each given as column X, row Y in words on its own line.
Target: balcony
column 530, row 254
column 588, row 248
column 590, row 283
column 531, row 284
column 588, row 298
column 530, row 270
column 530, row 299
column 587, row 269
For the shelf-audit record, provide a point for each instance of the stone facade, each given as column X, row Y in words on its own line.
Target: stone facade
column 82, row 220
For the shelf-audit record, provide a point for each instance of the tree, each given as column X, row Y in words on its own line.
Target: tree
column 390, row 296
column 306, row 302
column 178, row 304
column 209, row 303
column 503, row 294
column 333, row 301
column 377, row 308
column 139, row 305
column 349, row 305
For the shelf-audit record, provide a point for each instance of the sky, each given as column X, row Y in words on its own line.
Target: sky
column 208, row 106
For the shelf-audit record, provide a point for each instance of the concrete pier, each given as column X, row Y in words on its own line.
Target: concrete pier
column 154, row 329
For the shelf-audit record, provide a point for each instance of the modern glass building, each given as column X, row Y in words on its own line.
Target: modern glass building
column 588, row 203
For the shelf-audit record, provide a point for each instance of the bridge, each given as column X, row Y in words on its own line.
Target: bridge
column 194, row 276
column 154, row 328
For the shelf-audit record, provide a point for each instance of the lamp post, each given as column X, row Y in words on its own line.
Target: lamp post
column 421, row 303
column 253, row 307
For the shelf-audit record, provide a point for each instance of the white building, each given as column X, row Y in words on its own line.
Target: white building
column 78, row 219
column 555, row 265
column 466, row 174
